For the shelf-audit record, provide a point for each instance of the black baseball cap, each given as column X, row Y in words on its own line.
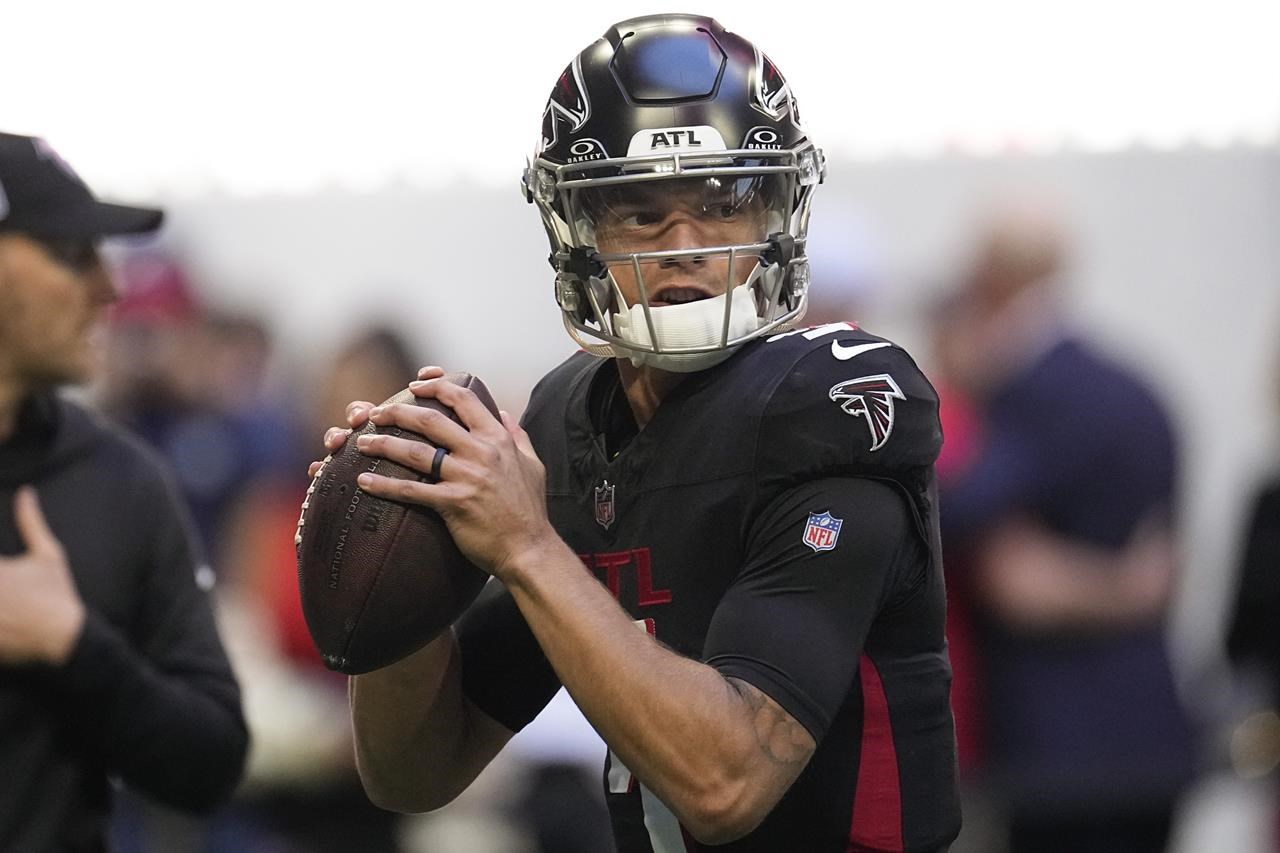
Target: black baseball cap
column 42, row 196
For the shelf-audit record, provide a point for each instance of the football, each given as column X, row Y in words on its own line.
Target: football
column 379, row 579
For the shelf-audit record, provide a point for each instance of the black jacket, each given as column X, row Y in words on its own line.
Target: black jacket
column 147, row 696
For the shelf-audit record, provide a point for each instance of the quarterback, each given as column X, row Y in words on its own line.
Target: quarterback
column 718, row 530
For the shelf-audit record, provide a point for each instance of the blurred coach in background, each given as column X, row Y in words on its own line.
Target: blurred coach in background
column 110, row 664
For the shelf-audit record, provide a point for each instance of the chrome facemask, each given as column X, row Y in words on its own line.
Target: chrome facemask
column 766, row 280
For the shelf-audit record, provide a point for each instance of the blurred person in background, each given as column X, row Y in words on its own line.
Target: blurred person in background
column 757, row 633
column 1253, row 641
column 191, row 381
column 1062, row 509
column 110, row 664
column 301, row 792
column 982, row 831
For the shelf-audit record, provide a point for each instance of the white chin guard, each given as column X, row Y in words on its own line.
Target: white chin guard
column 691, row 326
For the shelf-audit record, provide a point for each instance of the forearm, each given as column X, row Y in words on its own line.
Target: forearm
column 1045, row 582
column 693, row 737
column 417, row 743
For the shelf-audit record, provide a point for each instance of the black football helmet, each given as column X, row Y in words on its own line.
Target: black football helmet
column 680, row 100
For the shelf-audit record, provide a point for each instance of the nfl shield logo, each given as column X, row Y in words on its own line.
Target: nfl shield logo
column 822, row 531
column 604, row 505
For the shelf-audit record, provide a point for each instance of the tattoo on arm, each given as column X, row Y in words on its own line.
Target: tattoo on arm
column 783, row 742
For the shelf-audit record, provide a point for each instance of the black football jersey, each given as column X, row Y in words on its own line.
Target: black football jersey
column 777, row 520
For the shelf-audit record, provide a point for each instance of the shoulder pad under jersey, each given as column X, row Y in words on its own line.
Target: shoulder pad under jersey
column 842, row 402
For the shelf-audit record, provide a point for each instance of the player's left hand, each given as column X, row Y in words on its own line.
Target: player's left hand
column 41, row 612
column 491, row 492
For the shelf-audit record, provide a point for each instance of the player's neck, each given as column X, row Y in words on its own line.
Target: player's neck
column 645, row 387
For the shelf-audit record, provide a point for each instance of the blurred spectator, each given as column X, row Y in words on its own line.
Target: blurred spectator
column 191, row 382
column 302, row 793
column 1253, row 643
column 110, row 666
column 1062, row 518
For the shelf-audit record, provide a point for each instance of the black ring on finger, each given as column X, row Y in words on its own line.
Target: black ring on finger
column 436, row 462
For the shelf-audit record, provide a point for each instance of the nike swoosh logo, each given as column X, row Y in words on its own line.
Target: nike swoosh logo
column 845, row 353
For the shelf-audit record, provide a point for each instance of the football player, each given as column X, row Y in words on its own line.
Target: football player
column 718, row 531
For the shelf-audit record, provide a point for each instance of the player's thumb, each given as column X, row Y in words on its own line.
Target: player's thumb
column 517, row 433
column 32, row 527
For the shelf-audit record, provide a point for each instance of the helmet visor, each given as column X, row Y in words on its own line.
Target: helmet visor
column 670, row 214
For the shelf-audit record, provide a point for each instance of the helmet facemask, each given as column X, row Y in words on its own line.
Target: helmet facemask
column 675, row 261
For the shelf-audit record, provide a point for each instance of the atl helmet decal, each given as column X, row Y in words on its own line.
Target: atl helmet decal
column 870, row 397
column 568, row 104
column 772, row 95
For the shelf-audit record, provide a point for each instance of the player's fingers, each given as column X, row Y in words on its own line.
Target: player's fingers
column 358, row 413
column 432, row 424
column 431, row 461
column 430, row 372
column 32, row 527
column 418, row 455
column 335, row 437
column 518, row 434
column 314, row 468
column 475, row 415
column 434, row 495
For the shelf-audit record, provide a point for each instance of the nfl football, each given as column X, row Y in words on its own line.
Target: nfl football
column 379, row 579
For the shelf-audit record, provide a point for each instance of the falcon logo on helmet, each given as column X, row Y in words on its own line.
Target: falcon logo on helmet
column 870, row 397
column 568, row 105
column 772, row 95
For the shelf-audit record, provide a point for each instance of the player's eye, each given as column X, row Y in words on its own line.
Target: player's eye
column 722, row 211
column 638, row 217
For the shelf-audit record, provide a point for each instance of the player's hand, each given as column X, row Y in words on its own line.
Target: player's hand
column 41, row 612
column 491, row 490
column 335, row 437
column 357, row 417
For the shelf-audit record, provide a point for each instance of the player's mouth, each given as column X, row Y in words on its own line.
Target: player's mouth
column 673, row 295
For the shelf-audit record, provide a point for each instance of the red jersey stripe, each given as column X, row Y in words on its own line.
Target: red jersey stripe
column 877, row 801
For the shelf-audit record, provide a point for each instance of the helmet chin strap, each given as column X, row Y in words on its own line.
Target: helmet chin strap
column 693, row 324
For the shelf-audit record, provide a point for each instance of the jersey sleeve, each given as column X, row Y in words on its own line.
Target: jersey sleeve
column 504, row 671
column 850, row 404
column 823, row 560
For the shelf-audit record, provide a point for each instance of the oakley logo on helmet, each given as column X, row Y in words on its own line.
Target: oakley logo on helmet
column 586, row 149
column 568, row 105
column 763, row 139
column 675, row 140
column 870, row 397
